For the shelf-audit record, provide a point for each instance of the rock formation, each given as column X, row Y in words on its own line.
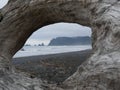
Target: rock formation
column 61, row 41
column 22, row 17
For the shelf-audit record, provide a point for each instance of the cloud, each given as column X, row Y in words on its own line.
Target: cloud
column 36, row 41
column 49, row 32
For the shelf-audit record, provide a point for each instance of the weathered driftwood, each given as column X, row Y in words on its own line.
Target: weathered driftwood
column 20, row 18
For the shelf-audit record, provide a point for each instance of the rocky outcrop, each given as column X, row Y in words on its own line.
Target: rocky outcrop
column 61, row 41
column 101, row 71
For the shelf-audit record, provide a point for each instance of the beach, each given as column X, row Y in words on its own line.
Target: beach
column 53, row 68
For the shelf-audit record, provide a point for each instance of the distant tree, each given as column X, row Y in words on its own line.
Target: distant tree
column 27, row 45
column 39, row 44
column 42, row 44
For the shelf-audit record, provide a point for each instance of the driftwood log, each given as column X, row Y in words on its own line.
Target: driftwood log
column 20, row 18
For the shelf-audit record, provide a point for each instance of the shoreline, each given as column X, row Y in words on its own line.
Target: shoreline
column 46, row 50
column 71, row 52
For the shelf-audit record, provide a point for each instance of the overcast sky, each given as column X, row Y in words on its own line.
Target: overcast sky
column 49, row 32
column 3, row 3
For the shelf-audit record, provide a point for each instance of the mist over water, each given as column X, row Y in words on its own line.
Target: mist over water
column 45, row 50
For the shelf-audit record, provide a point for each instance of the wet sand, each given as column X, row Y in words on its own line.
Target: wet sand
column 54, row 68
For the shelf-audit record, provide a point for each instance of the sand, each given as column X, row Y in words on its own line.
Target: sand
column 54, row 68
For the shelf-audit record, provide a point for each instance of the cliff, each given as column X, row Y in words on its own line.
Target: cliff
column 59, row 41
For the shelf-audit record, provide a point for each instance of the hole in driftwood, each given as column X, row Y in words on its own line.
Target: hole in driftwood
column 44, row 57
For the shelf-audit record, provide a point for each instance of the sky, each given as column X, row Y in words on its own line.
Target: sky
column 3, row 3
column 46, row 33
column 49, row 32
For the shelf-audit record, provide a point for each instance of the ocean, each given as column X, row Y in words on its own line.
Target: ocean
column 45, row 50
